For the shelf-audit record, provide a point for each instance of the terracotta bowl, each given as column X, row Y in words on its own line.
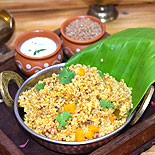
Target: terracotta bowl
column 71, row 46
column 29, row 64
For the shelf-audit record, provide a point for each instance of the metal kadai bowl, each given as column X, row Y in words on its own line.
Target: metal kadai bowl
column 55, row 145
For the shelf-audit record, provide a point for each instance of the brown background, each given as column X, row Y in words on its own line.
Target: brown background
column 50, row 14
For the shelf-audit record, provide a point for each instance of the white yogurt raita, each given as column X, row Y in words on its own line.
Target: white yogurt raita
column 38, row 47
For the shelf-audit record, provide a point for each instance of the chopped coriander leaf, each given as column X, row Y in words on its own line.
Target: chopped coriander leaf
column 101, row 74
column 40, row 86
column 106, row 104
column 66, row 76
column 37, row 51
column 62, row 118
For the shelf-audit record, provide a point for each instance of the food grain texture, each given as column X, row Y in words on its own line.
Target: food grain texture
column 83, row 29
column 88, row 119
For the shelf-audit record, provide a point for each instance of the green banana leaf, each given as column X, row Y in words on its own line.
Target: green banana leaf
column 128, row 55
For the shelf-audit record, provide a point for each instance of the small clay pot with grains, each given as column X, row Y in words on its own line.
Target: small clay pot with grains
column 80, row 35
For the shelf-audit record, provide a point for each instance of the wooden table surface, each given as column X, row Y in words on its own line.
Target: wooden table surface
column 50, row 14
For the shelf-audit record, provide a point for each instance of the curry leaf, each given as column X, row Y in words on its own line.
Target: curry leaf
column 62, row 118
column 101, row 74
column 106, row 104
column 38, row 51
column 40, row 86
column 66, row 76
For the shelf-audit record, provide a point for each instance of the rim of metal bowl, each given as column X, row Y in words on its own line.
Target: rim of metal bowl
column 52, row 140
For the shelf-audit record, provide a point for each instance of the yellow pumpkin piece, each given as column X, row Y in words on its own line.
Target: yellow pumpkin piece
column 93, row 128
column 111, row 118
column 81, row 72
column 89, row 134
column 79, row 135
column 109, row 87
column 70, row 107
column 125, row 100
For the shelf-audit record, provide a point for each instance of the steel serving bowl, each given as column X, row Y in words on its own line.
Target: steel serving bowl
column 59, row 146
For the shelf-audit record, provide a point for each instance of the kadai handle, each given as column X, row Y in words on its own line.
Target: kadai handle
column 5, row 78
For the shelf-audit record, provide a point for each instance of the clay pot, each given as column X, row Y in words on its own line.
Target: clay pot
column 71, row 46
column 29, row 64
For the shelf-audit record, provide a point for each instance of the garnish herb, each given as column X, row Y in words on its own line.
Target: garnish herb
column 101, row 74
column 37, row 51
column 66, row 76
column 40, row 86
column 106, row 104
column 62, row 118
